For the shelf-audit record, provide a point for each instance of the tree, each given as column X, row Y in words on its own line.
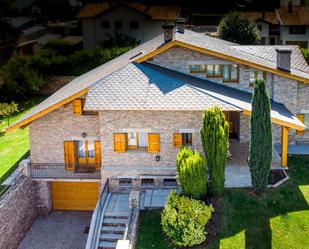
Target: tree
column 6, row 110
column 214, row 136
column 235, row 27
column 261, row 148
column 192, row 173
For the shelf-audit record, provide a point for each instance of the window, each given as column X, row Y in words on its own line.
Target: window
column 169, row 182
column 134, row 25
column 297, row 30
column 180, row 139
column 257, row 74
column 259, row 27
column 214, row 71
column 82, row 152
column 135, row 141
column 230, row 73
column 125, row 182
column 147, row 182
column 118, row 25
column 105, row 24
column 197, row 68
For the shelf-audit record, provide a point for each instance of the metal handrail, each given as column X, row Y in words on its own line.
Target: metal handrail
column 61, row 170
column 126, row 231
column 93, row 235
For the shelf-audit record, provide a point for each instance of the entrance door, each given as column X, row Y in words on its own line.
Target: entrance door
column 233, row 119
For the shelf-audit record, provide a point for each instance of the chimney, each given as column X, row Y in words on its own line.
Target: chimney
column 284, row 59
column 168, row 32
column 180, row 25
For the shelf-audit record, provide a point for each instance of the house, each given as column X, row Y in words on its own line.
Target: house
column 126, row 119
column 8, row 40
column 105, row 21
column 287, row 25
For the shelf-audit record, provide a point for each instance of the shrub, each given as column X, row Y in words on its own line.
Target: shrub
column 184, row 220
column 192, row 173
column 235, row 27
column 214, row 136
column 61, row 46
column 20, row 78
column 182, row 155
column 6, row 110
column 261, row 147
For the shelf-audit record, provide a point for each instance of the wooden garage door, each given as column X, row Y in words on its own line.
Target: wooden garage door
column 74, row 195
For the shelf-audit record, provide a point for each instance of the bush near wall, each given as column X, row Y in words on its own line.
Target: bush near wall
column 22, row 77
column 192, row 173
column 305, row 52
column 184, row 220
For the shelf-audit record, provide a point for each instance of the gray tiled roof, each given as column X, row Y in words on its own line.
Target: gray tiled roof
column 140, row 87
column 149, row 87
column 245, row 53
column 200, row 40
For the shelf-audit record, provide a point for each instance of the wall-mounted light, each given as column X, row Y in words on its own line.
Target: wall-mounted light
column 84, row 134
column 158, row 158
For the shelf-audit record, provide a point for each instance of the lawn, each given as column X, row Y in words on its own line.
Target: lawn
column 14, row 146
column 278, row 219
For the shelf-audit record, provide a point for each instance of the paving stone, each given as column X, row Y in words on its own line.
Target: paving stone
column 59, row 230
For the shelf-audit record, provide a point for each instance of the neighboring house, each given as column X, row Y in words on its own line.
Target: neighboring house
column 127, row 119
column 8, row 40
column 288, row 25
column 294, row 25
column 104, row 21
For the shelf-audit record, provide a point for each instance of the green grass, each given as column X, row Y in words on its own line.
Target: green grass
column 14, row 146
column 278, row 219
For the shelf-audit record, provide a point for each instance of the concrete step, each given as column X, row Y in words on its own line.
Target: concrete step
column 112, row 229
column 111, row 236
column 117, row 215
column 111, row 221
column 107, row 245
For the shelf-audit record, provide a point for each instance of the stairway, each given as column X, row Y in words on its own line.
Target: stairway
column 114, row 221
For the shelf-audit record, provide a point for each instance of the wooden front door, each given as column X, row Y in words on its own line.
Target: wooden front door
column 233, row 118
column 74, row 195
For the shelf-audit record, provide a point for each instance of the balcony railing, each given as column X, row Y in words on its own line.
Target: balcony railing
column 61, row 170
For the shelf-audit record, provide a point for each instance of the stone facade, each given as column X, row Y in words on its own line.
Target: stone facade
column 18, row 211
column 48, row 133
column 293, row 94
column 135, row 162
column 44, row 196
column 179, row 59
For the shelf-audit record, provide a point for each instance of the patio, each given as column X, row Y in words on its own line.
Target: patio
column 237, row 172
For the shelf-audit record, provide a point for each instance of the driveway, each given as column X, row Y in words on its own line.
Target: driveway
column 59, row 230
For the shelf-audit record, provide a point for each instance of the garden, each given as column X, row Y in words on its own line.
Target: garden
column 205, row 215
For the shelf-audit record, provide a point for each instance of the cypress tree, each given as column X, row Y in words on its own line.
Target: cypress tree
column 261, row 147
column 214, row 136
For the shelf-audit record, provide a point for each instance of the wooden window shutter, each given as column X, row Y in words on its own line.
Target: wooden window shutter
column 77, row 106
column 301, row 117
column 153, row 143
column 97, row 154
column 177, row 140
column 119, row 142
column 69, row 155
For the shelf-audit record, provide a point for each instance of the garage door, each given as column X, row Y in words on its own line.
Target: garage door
column 74, row 195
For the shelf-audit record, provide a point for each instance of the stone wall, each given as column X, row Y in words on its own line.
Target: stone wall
column 18, row 211
column 179, row 59
column 48, row 133
column 134, row 162
column 44, row 196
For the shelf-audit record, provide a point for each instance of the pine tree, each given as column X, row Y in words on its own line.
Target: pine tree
column 261, row 148
column 214, row 135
